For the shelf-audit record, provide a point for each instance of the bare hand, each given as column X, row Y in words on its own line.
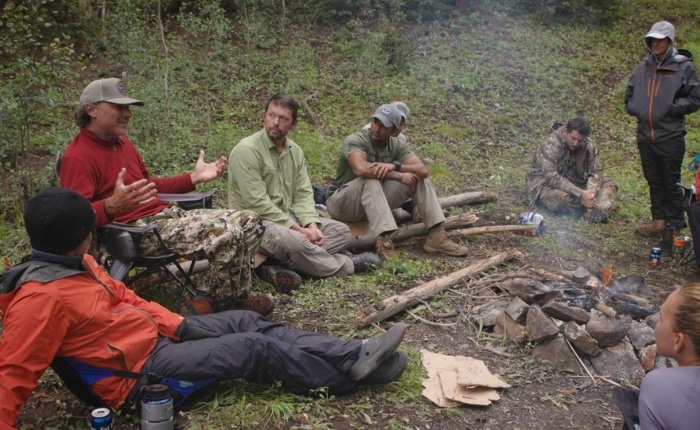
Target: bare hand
column 379, row 170
column 409, row 179
column 588, row 199
column 205, row 172
column 313, row 233
column 128, row 197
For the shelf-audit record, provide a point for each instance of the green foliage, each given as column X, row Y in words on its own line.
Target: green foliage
column 38, row 63
column 396, row 48
column 483, row 88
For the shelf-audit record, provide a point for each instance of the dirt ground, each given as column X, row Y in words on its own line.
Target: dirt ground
column 540, row 397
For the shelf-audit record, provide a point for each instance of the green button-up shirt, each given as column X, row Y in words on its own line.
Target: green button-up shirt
column 272, row 183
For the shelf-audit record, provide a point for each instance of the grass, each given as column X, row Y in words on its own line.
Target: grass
column 483, row 89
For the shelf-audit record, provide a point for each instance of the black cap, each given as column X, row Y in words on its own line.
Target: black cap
column 58, row 220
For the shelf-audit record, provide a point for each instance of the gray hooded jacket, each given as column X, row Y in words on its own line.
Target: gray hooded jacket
column 660, row 94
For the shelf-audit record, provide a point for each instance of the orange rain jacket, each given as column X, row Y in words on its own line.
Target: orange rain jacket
column 83, row 314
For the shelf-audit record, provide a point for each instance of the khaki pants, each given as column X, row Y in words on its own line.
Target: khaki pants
column 373, row 200
column 294, row 250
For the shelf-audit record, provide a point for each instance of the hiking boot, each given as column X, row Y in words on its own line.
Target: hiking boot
column 595, row 215
column 375, row 351
column 384, row 246
column 438, row 242
column 651, row 229
column 201, row 304
column 264, row 305
column 390, row 370
column 365, row 262
column 284, row 280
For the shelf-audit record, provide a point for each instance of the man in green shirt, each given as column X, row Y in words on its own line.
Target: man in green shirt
column 268, row 175
column 377, row 172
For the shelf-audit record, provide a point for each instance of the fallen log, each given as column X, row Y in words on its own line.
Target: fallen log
column 492, row 229
column 462, row 199
column 395, row 304
column 409, row 231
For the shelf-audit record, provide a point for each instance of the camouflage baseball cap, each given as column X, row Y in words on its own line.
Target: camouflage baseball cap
column 662, row 30
column 107, row 90
column 389, row 115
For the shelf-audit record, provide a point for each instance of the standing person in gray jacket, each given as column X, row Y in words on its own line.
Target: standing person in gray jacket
column 663, row 88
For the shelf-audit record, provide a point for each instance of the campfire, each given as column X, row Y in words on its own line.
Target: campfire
column 579, row 322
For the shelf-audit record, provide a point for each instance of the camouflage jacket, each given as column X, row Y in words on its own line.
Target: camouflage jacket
column 554, row 166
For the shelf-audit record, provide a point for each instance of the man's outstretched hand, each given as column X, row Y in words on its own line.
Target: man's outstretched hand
column 129, row 197
column 205, row 172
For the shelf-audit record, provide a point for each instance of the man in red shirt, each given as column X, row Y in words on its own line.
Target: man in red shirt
column 103, row 165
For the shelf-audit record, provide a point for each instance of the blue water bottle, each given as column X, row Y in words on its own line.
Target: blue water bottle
column 156, row 408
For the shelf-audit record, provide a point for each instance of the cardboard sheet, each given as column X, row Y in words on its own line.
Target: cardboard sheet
column 455, row 380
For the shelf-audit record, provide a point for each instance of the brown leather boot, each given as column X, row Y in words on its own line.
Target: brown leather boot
column 384, row 246
column 439, row 242
column 652, row 229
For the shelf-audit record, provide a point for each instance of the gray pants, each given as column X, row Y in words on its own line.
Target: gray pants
column 294, row 250
column 373, row 200
column 257, row 350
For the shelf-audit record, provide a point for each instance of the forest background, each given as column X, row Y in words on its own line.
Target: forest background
column 484, row 81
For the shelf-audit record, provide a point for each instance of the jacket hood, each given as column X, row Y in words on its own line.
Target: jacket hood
column 40, row 267
column 673, row 57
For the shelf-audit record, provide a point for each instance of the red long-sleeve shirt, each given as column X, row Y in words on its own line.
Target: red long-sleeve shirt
column 90, row 167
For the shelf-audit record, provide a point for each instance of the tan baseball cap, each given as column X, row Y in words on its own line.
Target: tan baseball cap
column 107, row 90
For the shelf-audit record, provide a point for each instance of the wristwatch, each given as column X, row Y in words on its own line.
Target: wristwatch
column 397, row 166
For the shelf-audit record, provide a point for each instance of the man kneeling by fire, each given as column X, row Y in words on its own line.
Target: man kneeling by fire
column 62, row 304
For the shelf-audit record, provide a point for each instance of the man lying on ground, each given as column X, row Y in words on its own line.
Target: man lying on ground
column 61, row 303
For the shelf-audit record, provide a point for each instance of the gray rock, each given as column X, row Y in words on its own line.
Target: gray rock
column 517, row 310
column 487, row 314
column 606, row 330
column 557, row 354
column 620, row 364
column 652, row 320
column 579, row 337
column 641, row 335
column 566, row 313
column 540, row 327
column 509, row 329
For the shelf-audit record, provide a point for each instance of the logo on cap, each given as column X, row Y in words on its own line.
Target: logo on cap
column 121, row 88
column 386, row 110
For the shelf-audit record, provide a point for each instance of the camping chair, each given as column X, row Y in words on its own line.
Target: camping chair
column 78, row 378
column 123, row 246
